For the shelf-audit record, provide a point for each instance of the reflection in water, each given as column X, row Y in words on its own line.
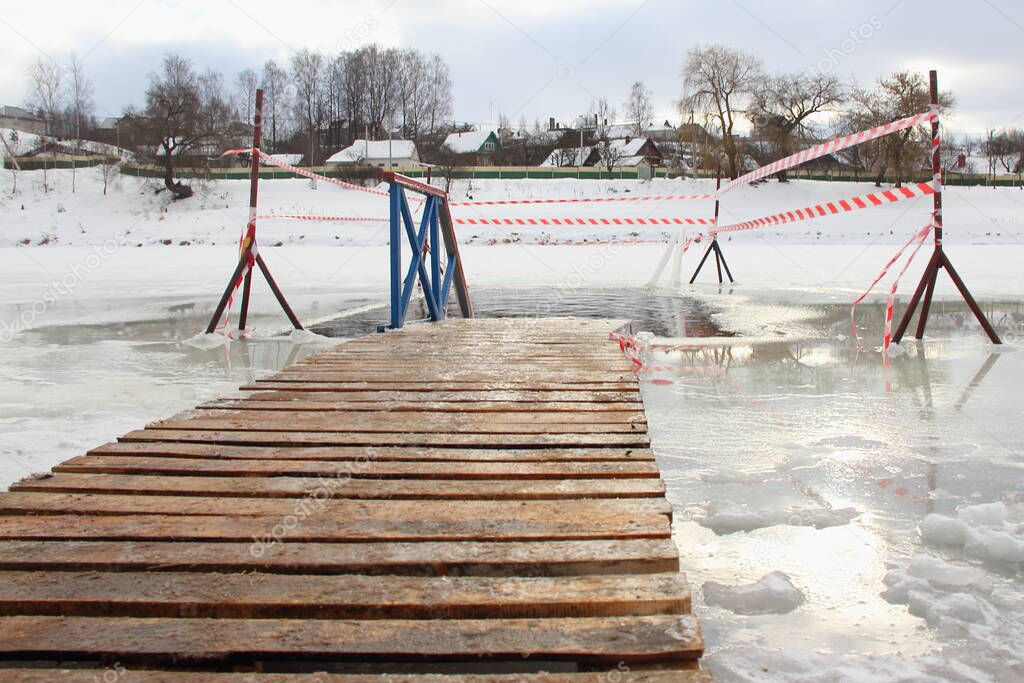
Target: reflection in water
column 768, row 437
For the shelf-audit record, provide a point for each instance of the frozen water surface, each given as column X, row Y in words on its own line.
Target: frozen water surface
column 786, row 453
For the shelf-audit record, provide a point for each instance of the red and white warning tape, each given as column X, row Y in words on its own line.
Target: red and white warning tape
column 629, row 346
column 581, row 243
column 326, row 219
column 584, row 221
column 585, row 200
column 269, row 158
column 918, row 237
column 831, row 208
column 833, row 145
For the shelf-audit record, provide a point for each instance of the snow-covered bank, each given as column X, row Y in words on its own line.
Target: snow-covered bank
column 134, row 212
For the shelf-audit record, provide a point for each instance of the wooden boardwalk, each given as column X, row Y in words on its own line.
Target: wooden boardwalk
column 466, row 501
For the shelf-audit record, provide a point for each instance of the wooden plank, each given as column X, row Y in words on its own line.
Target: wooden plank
column 100, row 464
column 271, row 438
column 660, row 638
column 464, row 558
column 297, row 487
column 325, row 528
column 282, row 596
column 310, row 401
column 403, row 423
column 675, row 675
column 207, row 450
column 322, row 502
column 407, row 385
column 631, row 675
column 297, row 392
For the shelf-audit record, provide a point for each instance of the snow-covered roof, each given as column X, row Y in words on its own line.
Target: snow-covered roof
column 468, row 142
column 361, row 150
column 630, row 161
column 568, row 156
column 659, row 128
column 292, row 159
column 626, row 148
column 620, row 130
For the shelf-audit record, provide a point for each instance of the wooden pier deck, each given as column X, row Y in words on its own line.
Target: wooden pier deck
column 465, row 501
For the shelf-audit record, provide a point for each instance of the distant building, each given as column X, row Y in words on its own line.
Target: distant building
column 626, row 152
column 475, row 146
column 662, row 132
column 565, row 157
column 21, row 119
column 377, row 153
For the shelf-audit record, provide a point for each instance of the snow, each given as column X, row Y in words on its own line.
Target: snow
column 774, row 593
column 370, row 150
column 984, row 532
column 468, row 142
column 727, row 519
column 890, row 498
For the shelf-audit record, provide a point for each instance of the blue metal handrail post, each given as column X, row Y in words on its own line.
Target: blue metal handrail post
column 396, row 195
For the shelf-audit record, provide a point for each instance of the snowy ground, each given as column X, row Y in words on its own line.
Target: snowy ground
column 133, row 212
column 869, row 519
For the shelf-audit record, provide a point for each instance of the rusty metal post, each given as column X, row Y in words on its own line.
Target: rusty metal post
column 254, row 185
column 939, row 258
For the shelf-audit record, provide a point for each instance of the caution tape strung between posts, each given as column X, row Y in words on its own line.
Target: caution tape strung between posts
column 833, row 145
column 324, row 219
column 298, row 171
column 919, row 237
column 584, row 221
column 865, row 201
column 585, row 200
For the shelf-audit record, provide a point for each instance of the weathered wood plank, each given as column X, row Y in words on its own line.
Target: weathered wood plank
column 464, row 558
column 660, row 638
column 630, row 675
column 283, row 596
column 322, row 502
column 271, row 438
column 317, row 402
column 409, row 385
column 382, row 454
column 297, row 487
column 324, row 528
column 395, row 423
column 368, row 468
column 317, row 393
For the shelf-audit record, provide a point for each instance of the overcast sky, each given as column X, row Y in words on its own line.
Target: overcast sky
column 538, row 58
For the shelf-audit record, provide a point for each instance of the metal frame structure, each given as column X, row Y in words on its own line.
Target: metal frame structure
column 939, row 258
column 714, row 246
column 435, row 226
column 250, row 255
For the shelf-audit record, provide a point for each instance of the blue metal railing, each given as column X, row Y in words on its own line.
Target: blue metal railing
column 435, row 229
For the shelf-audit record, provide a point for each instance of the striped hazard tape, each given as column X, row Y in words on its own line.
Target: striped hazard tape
column 584, row 221
column 831, row 208
column 586, row 200
column 326, row 219
column 833, row 145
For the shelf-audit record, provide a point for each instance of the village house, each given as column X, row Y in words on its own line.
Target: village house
column 473, row 148
column 17, row 118
column 382, row 153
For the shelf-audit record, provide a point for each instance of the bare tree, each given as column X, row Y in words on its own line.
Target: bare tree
column 246, row 83
column 184, row 110
column 1004, row 151
column 439, row 97
column 781, row 108
column 639, row 109
column 901, row 95
column 382, row 86
column 308, row 71
column 276, row 100
column 46, row 91
column 80, row 106
column 603, row 114
column 611, row 153
column 718, row 80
